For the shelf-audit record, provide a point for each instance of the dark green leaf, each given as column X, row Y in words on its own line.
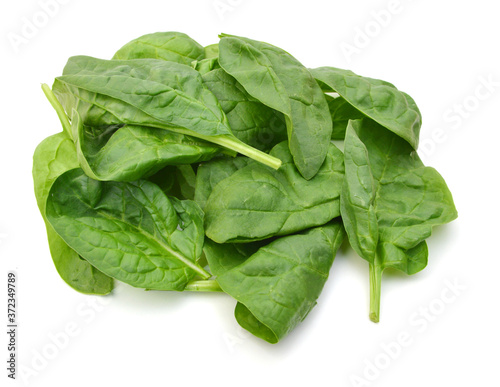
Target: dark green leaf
column 170, row 46
column 131, row 231
column 341, row 112
column 278, row 285
column 132, row 152
column 279, row 81
column 147, row 92
column 377, row 99
column 390, row 201
column 257, row 202
column 251, row 121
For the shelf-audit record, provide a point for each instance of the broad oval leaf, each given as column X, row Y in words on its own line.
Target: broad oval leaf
column 390, row 202
column 131, row 231
column 277, row 285
column 377, row 99
column 132, row 152
column 54, row 156
column 257, row 202
column 386, row 179
column 281, row 82
column 170, row 46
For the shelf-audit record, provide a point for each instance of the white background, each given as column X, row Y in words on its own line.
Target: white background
column 439, row 52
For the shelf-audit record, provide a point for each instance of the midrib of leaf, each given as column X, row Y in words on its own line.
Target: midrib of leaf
column 227, row 140
column 202, row 272
column 180, row 94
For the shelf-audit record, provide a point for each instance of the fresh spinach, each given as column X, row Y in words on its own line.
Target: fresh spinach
column 279, row 81
column 341, row 112
column 212, row 173
column 251, row 121
column 143, row 185
column 130, row 152
column 277, row 286
column 390, row 202
column 145, row 238
column 147, row 92
column 257, row 202
column 54, row 156
column 377, row 99
column 169, row 46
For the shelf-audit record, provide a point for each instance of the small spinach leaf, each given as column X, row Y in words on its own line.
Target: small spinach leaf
column 132, row 152
column 54, row 156
column 131, row 231
column 377, row 99
column 257, row 202
column 390, row 202
column 277, row 286
column 170, row 46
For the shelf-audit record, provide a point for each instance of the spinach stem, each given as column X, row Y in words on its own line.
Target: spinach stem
column 375, row 288
column 244, row 149
column 58, row 108
column 203, row 286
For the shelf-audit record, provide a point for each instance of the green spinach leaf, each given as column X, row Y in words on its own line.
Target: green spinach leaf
column 377, row 99
column 279, row 81
column 390, row 202
column 147, row 92
column 257, row 202
column 131, row 231
column 130, row 152
column 341, row 112
column 169, row 46
column 212, row 173
column 54, row 156
column 277, row 285
column 251, row 121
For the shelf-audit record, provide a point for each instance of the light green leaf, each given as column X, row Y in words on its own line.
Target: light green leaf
column 212, row 173
column 54, row 156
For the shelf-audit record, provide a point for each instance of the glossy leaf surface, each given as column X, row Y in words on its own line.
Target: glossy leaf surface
column 257, row 202
column 277, row 285
column 169, row 46
column 377, row 99
column 54, row 156
column 390, row 201
column 132, row 152
column 281, row 82
column 130, row 231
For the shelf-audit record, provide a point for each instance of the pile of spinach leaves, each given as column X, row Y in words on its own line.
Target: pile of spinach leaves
column 190, row 168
